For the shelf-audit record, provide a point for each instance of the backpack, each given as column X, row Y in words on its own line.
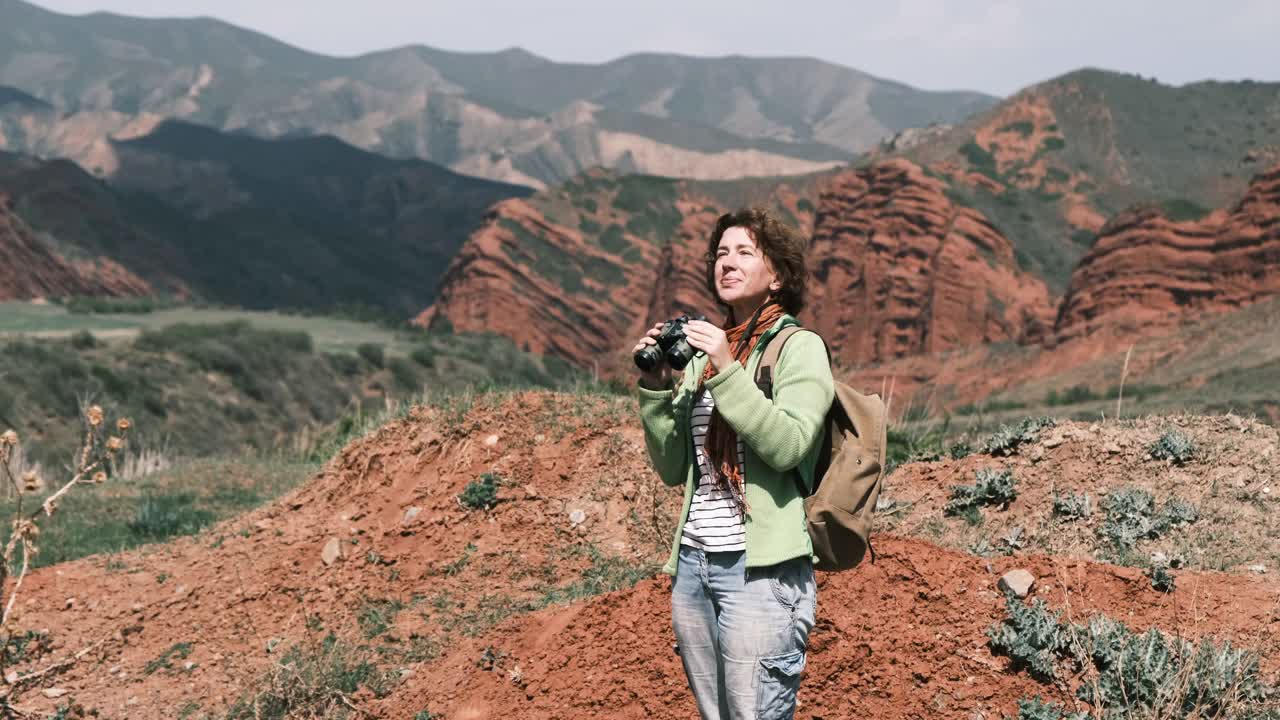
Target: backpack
column 850, row 467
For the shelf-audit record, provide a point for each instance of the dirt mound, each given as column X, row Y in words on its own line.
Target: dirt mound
column 901, row 638
column 1230, row 478
column 483, row 613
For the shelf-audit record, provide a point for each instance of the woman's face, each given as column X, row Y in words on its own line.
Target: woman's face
column 743, row 276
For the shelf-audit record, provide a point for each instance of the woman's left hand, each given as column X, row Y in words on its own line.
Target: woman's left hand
column 711, row 340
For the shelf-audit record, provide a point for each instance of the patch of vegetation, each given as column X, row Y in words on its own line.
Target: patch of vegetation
column 26, row 645
column 1051, row 144
column 376, row 616
column 651, row 201
column 1007, row 438
column 979, row 158
column 83, row 305
column 1173, row 445
column 1128, row 674
column 994, row 487
column 481, row 493
column 1022, row 127
column 161, row 516
column 1070, row 396
column 1072, row 507
column 1161, row 578
column 314, row 679
column 178, row 651
column 613, row 240
column 1182, row 210
column 372, row 353
column 547, row 260
column 182, row 500
column 1131, row 516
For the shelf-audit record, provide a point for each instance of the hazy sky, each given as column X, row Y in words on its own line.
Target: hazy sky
column 996, row 46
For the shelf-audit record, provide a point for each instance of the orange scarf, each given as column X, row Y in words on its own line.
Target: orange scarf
column 721, row 440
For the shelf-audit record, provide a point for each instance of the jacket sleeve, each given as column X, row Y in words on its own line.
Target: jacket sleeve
column 781, row 431
column 666, row 436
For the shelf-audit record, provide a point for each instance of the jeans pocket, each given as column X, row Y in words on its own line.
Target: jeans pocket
column 787, row 581
column 779, row 681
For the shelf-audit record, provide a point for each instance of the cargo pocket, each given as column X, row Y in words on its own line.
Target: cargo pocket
column 779, row 681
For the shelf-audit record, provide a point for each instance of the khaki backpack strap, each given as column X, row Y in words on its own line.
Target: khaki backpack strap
column 773, row 351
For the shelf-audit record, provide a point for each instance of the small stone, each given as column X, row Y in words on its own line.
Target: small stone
column 1159, row 558
column 11, row 677
column 331, row 552
column 54, row 692
column 539, row 438
column 136, row 607
column 410, row 514
column 71, row 603
column 114, row 669
column 1054, row 441
column 188, row 666
column 577, row 516
column 1111, row 447
column 491, row 441
column 530, row 491
column 1018, row 582
column 1259, row 569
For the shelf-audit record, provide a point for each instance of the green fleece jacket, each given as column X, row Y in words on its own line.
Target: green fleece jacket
column 778, row 435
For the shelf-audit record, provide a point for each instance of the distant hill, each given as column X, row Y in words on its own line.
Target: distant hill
column 1051, row 164
column 506, row 115
column 311, row 223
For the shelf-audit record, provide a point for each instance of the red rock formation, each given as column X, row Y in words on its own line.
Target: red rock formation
column 1146, row 270
column 547, row 287
column 29, row 269
column 899, row 269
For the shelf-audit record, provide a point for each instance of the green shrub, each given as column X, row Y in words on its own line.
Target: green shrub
column 424, row 355
column 1161, row 578
column 1072, row 507
column 1071, row 396
column 1126, row 674
column 372, row 354
column 160, row 517
column 993, row 487
column 1006, row 439
column 981, row 160
column 1131, row 516
column 403, row 373
column 84, row 340
column 1183, row 210
column 1053, row 143
column 1022, row 127
column 1174, row 446
column 481, row 492
column 343, row 363
column 312, row 680
column 1031, row 637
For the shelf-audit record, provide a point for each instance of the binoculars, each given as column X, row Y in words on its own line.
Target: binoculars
column 672, row 346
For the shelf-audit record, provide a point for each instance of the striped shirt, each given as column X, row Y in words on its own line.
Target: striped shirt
column 714, row 524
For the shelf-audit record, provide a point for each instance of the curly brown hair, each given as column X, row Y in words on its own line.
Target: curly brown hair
column 783, row 248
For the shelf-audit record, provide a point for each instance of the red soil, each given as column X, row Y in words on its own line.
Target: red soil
column 900, row 638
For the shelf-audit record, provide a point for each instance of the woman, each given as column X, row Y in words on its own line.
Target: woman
column 743, row 599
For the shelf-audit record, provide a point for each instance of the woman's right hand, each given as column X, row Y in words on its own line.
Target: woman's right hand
column 658, row 378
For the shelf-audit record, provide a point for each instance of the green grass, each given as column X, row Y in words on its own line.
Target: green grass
column 121, row 515
column 329, row 334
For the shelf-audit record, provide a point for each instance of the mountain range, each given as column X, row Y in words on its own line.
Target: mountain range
column 509, row 115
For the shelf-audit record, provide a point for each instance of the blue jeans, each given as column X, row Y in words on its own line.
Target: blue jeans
column 742, row 633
